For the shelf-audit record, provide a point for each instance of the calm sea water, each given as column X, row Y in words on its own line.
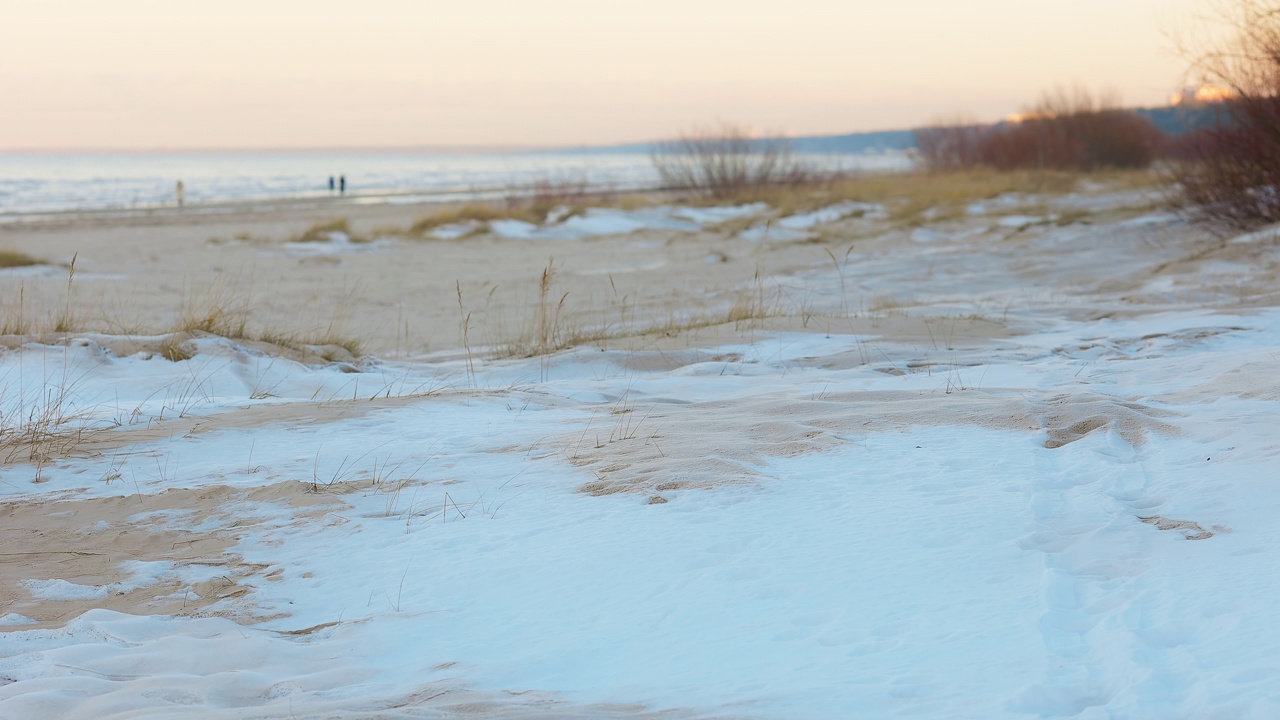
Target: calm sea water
column 36, row 183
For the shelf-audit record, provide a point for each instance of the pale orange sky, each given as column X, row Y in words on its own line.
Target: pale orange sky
column 319, row 73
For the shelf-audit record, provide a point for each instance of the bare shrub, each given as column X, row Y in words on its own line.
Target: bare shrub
column 1071, row 129
column 546, row 195
column 1231, row 173
column 1066, row 130
column 727, row 162
column 951, row 146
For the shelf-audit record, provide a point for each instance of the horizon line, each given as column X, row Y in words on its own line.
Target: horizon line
column 202, row 149
column 460, row 149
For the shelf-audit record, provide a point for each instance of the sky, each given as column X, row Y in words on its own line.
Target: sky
column 154, row 74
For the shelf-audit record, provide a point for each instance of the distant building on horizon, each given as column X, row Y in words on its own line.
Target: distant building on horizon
column 1194, row 97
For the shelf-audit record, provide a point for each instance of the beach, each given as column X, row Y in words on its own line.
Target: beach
column 952, row 446
column 620, row 272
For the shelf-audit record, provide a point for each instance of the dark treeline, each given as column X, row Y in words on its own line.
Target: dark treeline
column 1069, row 130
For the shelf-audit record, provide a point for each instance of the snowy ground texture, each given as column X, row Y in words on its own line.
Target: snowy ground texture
column 1073, row 517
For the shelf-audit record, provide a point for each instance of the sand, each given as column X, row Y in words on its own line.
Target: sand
column 399, row 297
column 949, row 291
column 933, row 302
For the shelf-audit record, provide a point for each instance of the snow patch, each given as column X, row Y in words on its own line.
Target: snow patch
column 58, row 589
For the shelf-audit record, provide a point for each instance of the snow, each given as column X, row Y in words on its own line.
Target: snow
column 828, row 214
column 595, row 222
column 718, row 214
column 926, row 235
column 453, row 231
column 562, row 224
column 800, row 225
column 143, row 574
column 1267, row 234
column 92, row 388
column 35, row 271
column 812, row 537
column 1020, row 222
column 62, row 590
column 337, row 244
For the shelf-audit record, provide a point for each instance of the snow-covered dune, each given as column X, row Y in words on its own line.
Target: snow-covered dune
column 1071, row 516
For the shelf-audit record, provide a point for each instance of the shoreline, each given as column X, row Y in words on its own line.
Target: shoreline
column 639, row 275
column 80, row 185
column 286, row 204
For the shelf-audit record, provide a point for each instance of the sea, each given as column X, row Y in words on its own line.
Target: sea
column 57, row 182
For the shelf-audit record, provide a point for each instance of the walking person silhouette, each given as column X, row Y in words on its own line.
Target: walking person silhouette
column 342, row 184
column 330, row 184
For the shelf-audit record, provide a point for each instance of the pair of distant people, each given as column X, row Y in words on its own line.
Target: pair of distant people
column 180, row 190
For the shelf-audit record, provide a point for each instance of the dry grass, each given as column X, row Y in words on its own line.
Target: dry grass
column 556, row 320
column 19, row 319
column 223, row 309
column 240, row 237
column 219, row 310
column 173, row 349
column 907, row 196
column 39, row 426
column 559, row 322
column 328, row 345
column 16, row 320
column 915, row 197
column 477, row 214
column 40, row 438
column 545, row 333
column 67, row 322
column 752, row 304
column 325, row 231
column 547, row 319
column 556, row 325
column 910, row 197
column 42, row 423
column 734, row 226
column 13, row 258
column 537, row 203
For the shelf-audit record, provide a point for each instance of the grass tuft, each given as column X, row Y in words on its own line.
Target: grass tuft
column 324, row 232
column 67, row 322
column 536, row 203
column 218, row 312
column 478, row 214
column 13, row 258
column 15, row 320
column 173, row 350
